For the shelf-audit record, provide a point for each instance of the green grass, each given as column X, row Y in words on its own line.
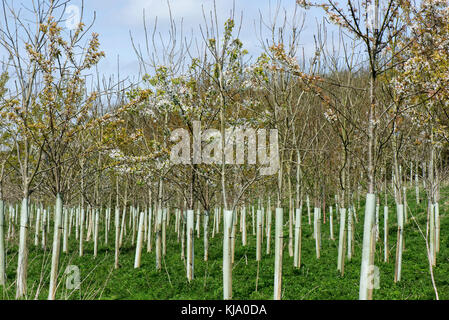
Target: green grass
column 316, row 279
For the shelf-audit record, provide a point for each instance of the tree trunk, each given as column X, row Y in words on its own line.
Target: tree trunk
column 368, row 229
column 65, row 242
column 22, row 263
column 2, row 244
column 278, row 255
column 386, row 246
column 81, row 247
column 140, row 236
column 227, row 266
column 56, row 248
column 206, row 235
column 298, row 231
column 341, row 242
column 190, row 243
column 259, row 236
column 96, row 226
column 117, row 235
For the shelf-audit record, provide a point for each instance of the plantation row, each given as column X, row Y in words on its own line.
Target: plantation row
column 148, row 229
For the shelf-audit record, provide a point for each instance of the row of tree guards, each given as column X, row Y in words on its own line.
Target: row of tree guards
column 150, row 225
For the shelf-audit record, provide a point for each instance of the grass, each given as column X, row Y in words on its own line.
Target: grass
column 316, row 279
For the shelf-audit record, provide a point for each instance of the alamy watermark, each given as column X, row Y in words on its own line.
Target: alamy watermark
column 74, row 17
column 373, row 277
column 73, row 280
column 208, row 147
column 373, row 15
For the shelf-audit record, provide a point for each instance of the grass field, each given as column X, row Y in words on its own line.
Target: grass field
column 316, row 279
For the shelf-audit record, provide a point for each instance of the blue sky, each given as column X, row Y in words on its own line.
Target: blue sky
column 116, row 19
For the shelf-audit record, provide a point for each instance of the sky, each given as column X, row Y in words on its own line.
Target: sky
column 116, row 20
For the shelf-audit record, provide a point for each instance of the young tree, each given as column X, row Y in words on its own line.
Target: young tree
column 24, row 114
column 65, row 109
column 373, row 23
